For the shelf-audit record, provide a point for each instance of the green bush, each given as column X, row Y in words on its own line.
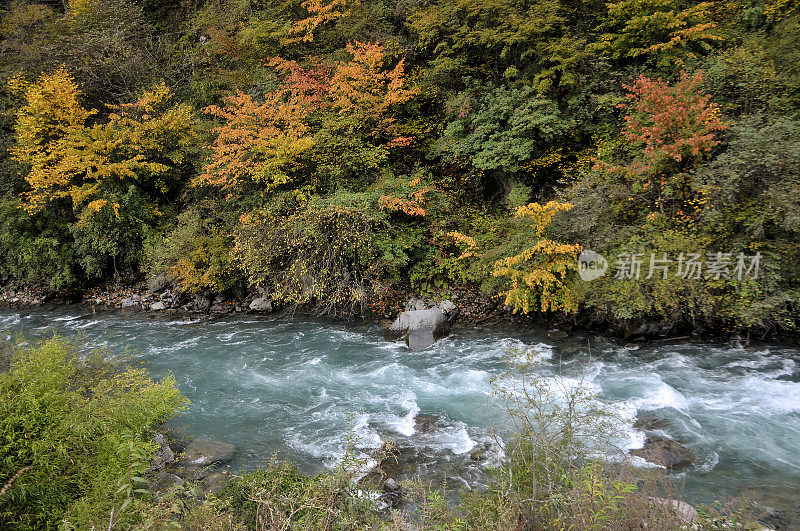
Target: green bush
column 76, row 425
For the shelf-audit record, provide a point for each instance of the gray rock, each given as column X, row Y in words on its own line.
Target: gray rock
column 557, row 334
column 391, row 485
column 665, row 452
column 157, row 283
column 478, row 453
column 130, row 304
column 421, row 327
column 163, row 456
column 649, row 421
column 157, row 306
column 425, row 423
column 420, row 339
column 261, row 304
column 201, row 303
column 203, row 452
column 685, row 512
column 415, row 304
column 447, row 307
column 165, row 482
column 215, row 482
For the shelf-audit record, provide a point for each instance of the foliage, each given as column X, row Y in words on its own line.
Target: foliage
column 437, row 118
column 321, row 251
column 79, row 421
column 670, row 32
column 497, row 39
column 503, row 130
column 36, row 248
column 113, row 175
column 281, row 497
column 194, row 254
column 537, row 275
column 671, row 128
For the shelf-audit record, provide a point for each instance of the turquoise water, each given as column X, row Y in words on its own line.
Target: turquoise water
column 297, row 387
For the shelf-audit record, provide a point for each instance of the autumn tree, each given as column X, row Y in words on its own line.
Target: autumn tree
column 672, row 128
column 537, row 276
column 261, row 143
column 344, row 113
column 320, row 12
column 113, row 174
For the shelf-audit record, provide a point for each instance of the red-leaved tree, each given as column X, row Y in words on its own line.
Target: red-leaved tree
column 672, row 129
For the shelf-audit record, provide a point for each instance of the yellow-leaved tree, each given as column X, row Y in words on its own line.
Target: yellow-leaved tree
column 537, row 275
column 113, row 176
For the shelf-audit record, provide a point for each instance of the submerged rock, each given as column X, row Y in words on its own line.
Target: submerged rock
column 649, row 421
column 203, row 452
column 665, row 452
column 425, row 423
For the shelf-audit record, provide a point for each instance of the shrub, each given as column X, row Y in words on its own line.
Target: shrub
column 195, row 254
column 323, row 251
column 76, row 424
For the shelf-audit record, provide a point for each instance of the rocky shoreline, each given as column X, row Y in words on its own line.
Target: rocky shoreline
column 475, row 310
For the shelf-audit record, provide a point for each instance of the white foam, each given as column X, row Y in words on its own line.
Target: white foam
column 661, row 395
column 67, row 318
column 405, row 425
column 456, row 439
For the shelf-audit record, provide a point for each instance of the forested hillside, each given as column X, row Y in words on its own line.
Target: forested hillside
column 327, row 150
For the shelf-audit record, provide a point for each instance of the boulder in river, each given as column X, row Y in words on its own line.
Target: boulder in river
column 261, row 304
column 203, row 452
column 665, row 452
column 422, row 328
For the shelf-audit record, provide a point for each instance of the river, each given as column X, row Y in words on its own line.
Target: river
column 297, row 387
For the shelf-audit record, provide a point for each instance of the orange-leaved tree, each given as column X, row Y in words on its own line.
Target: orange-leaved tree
column 265, row 143
column 672, row 127
column 365, row 90
column 538, row 275
column 262, row 142
column 321, row 12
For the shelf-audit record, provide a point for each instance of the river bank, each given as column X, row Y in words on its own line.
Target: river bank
column 476, row 310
